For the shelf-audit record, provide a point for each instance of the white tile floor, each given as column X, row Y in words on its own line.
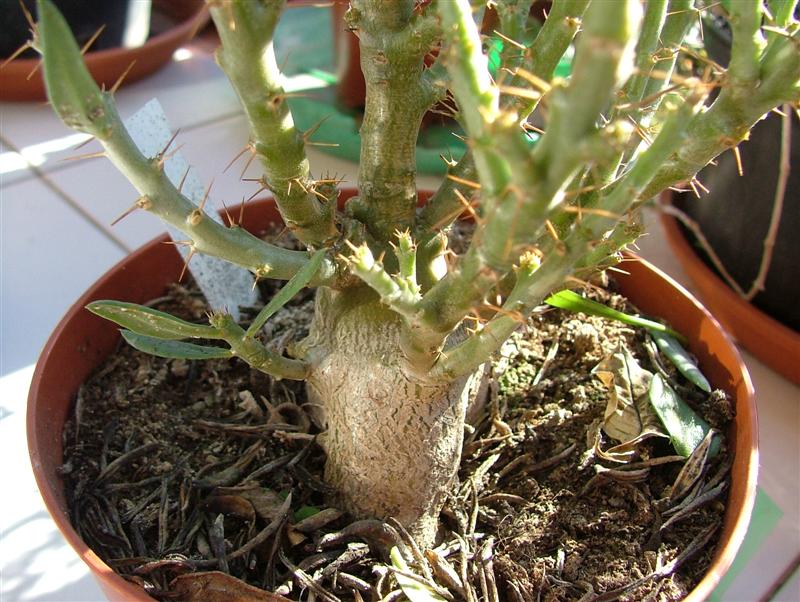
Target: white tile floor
column 55, row 240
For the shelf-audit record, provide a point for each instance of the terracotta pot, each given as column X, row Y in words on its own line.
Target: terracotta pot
column 82, row 341
column 106, row 66
column 772, row 342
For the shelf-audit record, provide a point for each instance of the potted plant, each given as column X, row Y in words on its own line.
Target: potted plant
column 744, row 265
column 401, row 327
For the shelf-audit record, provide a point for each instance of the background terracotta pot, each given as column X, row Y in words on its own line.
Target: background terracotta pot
column 82, row 341
column 772, row 342
column 106, row 66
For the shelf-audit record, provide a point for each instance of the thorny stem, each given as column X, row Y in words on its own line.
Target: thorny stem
column 540, row 60
column 534, row 281
column 255, row 354
column 655, row 15
column 513, row 16
column 784, row 170
column 550, row 44
column 745, row 19
column 81, row 105
column 680, row 14
column 523, row 193
column 393, row 44
column 738, row 107
column 535, row 182
column 247, row 56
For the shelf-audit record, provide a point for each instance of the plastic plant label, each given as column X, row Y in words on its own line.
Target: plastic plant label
column 225, row 286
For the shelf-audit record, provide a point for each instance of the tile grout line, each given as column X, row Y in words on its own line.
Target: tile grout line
column 35, row 171
column 71, row 202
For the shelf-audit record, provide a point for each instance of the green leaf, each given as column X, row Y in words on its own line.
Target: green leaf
column 682, row 360
column 151, row 322
column 686, row 429
column 289, row 290
column 304, row 512
column 414, row 590
column 572, row 301
column 174, row 349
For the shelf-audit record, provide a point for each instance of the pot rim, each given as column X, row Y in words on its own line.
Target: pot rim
column 745, row 441
column 746, row 455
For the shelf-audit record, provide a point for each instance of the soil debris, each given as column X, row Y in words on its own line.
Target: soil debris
column 203, row 481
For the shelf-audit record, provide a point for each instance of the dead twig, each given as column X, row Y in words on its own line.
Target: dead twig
column 784, row 169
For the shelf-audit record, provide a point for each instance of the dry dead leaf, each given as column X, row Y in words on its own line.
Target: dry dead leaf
column 629, row 418
column 215, row 586
column 266, row 503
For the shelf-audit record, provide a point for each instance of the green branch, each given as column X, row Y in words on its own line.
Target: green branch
column 739, row 106
column 393, row 44
column 399, row 293
column 255, row 354
column 655, row 15
column 535, row 281
column 680, row 15
column 247, row 57
column 563, row 22
column 745, row 19
column 530, row 187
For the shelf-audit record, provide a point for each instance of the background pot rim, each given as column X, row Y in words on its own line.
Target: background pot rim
column 110, row 63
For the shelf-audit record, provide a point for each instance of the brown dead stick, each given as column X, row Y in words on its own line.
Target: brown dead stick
column 444, row 572
column 503, row 497
column 353, row 582
column 353, row 553
column 512, row 466
column 244, row 430
column 124, row 459
column 266, row 532
column 313, row 562
column 412, row 545
column 177, row 565
column 610, row 474
column 305, row 580
column 233, row 473
column 268, row 468
column 700, row 500
column 487, row 565
column 376, row 533
column 318, row 520
column 216, row 539
column 163, row 518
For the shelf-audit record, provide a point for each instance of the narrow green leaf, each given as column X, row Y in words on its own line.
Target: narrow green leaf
column 151, row 322
column 681, row 358
column 572, row 301
column 174, row 349
column 686, row 429
column 414, row 590
column 289, row 290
